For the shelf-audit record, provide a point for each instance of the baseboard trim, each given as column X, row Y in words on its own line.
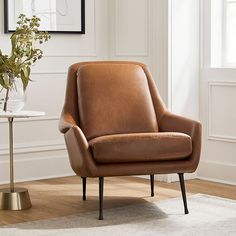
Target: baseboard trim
column 170, row 178
column 216, row 180
column 161, row 178
column 187, row 176
column 217, row 172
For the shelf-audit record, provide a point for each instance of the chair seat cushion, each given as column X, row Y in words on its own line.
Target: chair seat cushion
column 141, row 147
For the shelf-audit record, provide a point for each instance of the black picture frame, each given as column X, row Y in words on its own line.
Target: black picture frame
column 82, row 31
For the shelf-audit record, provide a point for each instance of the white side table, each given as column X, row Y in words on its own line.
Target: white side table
column 15, row 198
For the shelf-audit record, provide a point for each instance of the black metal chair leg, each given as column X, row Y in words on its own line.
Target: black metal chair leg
column 84, row 188
column 182, row 185
column 152, row 185
column 101, row 184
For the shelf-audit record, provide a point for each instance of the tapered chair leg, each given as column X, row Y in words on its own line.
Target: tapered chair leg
column 152, row 185
column 182, row 185
column 84, row 187
column 101, row 184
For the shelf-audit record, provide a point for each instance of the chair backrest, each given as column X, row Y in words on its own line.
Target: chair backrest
column 112, row 98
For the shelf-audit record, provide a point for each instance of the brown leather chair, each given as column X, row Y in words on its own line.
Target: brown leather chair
column 115, row 123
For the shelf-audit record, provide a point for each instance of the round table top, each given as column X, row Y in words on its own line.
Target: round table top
column 21, row 114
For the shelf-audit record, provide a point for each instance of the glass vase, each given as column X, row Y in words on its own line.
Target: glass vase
column 13, row 100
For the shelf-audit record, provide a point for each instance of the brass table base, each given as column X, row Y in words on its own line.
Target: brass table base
column 18, row 199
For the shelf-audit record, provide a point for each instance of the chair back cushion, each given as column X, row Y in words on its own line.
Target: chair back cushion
column 114, row 99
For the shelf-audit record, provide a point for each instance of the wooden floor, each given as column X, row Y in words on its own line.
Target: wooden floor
column 62, row 196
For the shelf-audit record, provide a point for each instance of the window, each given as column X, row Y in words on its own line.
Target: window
column 230, row 32
column 223, row 33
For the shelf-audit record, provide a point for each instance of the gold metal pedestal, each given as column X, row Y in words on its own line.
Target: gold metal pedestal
column 13, row 198
column 17, row 200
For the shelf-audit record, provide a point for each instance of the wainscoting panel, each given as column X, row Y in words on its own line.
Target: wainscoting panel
column 222, row 116
column 218, row 100
column 32, row 132
column 33, row 167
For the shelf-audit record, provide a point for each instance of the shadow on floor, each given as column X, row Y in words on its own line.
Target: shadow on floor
column 140, row 211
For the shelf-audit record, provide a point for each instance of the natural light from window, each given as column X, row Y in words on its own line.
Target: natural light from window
column 223, row 33
column 230, row 43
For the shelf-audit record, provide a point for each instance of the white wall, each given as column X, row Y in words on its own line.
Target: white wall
column 184, row 58
column 183, row 61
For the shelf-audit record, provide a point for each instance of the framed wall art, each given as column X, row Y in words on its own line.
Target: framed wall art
column 57, row 16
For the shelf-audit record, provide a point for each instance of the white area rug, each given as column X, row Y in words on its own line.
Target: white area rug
column 208, row 216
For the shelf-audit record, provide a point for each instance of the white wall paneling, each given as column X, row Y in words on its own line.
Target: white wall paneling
column 37, row 167
column 33, row 134
column 221, row 118
column 218, row 88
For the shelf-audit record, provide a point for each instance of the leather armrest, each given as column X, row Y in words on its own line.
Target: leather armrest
column 66, row 122
column 79, row 153
column 174, row 123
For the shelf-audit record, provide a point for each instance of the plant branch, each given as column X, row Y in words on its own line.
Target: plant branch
column 23, row 54
column 6, row 100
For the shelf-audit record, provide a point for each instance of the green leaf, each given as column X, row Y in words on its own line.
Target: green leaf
column 24, row 52
column 24, row 80
column 13, row 42
column 2, row 82
column 6, row 80
column 29, row 70
column 25, row 71
column 1, row 60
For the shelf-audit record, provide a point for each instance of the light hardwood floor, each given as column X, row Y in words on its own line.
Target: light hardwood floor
column 63, row 196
